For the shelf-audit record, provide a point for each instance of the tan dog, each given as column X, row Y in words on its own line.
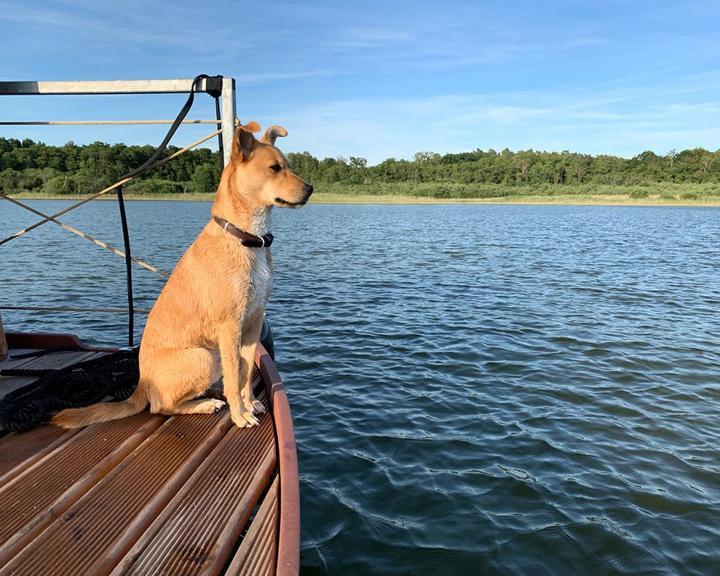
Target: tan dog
column 209, row 314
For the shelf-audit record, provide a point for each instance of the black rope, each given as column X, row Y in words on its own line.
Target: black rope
column 211, row 81
column 115, row 375
column 213, row 86
column 128, row 267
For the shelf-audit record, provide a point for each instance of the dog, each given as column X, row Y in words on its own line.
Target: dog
column 208, row 317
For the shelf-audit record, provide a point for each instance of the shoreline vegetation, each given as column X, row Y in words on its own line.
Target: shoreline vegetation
column 31, row 169
column 620, row 196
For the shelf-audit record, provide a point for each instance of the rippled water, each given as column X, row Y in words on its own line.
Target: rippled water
column 476, row 389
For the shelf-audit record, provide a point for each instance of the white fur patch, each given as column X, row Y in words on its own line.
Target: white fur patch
column 260, row 222
column 261, row 274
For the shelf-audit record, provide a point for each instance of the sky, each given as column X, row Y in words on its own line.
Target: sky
column 383, row 79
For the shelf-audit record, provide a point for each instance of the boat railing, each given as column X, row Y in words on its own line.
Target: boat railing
column 222, row 89
column 218, row 84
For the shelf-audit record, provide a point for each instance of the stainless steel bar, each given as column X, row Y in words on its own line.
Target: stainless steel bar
column 96, row 122
column 228, row 116
column 100, row 87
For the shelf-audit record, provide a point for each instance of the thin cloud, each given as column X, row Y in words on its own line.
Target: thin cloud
column 265, row 78
column 590, row 123
column 133, row 28
column 29, row 15
column 361, row 37
column 381, row 79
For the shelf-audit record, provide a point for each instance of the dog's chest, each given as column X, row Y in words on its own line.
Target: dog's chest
column 260, row 282
column 260, row 277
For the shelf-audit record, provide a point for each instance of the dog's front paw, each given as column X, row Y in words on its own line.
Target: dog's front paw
column 245, row 419
column 251, row 404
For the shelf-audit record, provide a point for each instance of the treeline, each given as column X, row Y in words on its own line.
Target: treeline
column 518, row 168
column 28, row 166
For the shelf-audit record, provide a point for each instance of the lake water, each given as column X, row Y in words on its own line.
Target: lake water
column 476, row 389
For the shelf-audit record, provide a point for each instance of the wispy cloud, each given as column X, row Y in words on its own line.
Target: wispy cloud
column 367, row 37
column 263, row 78
column 588, row 122
column 450, row 43
column 99, row 23
column 380, row 79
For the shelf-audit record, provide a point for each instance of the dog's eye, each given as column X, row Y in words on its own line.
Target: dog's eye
column 275, row 168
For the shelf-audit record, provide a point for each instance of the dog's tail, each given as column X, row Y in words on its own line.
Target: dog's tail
column 103, row 411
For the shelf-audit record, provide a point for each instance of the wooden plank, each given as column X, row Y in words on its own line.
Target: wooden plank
column 20, row 351
column 176, row 504
column 52, row 360
column 260, row 542
column 11, row 383
column 99, row 529
column 50, row 341
column 18, row 357
column 199, row 528
column 48, row 360
column 40, row 493
column 19, row 451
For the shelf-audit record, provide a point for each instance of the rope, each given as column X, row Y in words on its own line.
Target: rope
column 128, row 268
column 114, row 375
column 147, row 165
column 85, row 235
column 101, row 309
column 96, row 195
column 97, row 122
column 155, row 156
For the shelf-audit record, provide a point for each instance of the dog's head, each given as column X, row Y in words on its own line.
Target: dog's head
column 262, row 172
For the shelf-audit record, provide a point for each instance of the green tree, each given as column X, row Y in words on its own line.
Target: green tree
column 59, row 185
column 205, row 178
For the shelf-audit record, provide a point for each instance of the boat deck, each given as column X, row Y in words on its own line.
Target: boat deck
column 149, row 494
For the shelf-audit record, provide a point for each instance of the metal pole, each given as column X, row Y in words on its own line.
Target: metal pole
column 101, row 87
column 228, row 116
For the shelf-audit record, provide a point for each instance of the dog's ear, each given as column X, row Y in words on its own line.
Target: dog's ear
column 272, row 133
column 244, row 140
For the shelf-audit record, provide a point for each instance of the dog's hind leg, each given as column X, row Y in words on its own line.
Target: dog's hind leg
column 180, row 376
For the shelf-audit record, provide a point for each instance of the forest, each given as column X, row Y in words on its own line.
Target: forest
column 29, row 167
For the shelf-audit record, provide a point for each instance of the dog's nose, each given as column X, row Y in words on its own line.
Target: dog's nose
column 308, row 189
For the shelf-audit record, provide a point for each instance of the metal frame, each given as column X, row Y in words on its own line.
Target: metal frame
column 225, row 121
column 24, row 88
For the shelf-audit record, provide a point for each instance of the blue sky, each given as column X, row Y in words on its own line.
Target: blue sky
column 388, row 78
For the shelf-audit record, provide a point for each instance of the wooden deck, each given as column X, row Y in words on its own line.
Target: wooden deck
column 149, row 494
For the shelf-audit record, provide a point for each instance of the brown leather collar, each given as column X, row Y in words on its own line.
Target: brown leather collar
column 247, row 239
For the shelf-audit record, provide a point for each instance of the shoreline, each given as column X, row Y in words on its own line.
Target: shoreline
column 398, row 199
